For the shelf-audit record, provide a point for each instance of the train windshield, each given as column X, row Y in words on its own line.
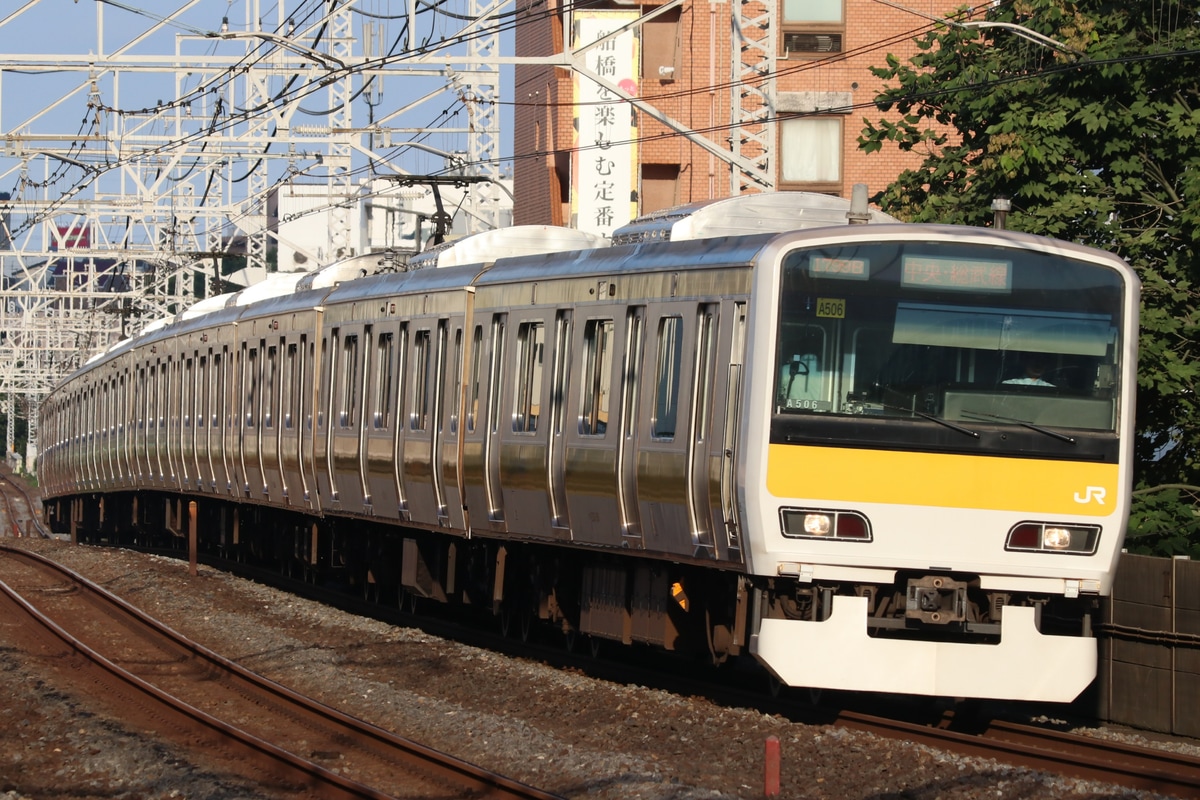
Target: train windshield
column 965, row 334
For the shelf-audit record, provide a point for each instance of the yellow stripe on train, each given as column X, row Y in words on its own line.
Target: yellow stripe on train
column 938, row 479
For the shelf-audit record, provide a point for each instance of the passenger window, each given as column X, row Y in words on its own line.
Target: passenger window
column 385, row 353
column 666, row 389
column 456, row 380
column 350, row 381
column 289, row 387
column 597, row 377
column 473, row 388
column 423, row 346
column 269, row 387
column 530, row 350
column 251, row 374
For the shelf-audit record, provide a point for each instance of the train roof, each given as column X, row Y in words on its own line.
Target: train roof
column 519, row 240
column 747, row 214
column 429, row 280
column 644, row 257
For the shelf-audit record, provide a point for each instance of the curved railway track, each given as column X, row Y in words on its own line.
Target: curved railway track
column 1026, row 745
column 1033, row 746
column 21, row 511
column 256, row 728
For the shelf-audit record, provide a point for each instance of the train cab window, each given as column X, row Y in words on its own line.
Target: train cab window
column 961, row 333
column 418, row 418
column 531, row 343
column 801, row 380
column 385, row 355
column 473, row 386
column 597, row 377
column 666, row 388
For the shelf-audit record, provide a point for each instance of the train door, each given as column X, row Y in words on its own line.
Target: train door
column 475, row 431
column 287, row 452
column 138, row 425
column 172, row 383
column 89, row 436
column 400, row 424
column 187, row 440
column 631, row 380
column 307, row 391
column 703, row 400
column 204, row 469
column 590, row 472
column 496, row 361
column 271, row 433
column 524, row 432
column 560, row 520
column 664, row 486
column 108, row 435
column 731, row 545
column 250, row 418
column 157, row 439
column 379, row 437
column 223, row 365
column 120, row 429
column 233, row 408
column 322, row 447
column 346, row 420
column 448, row 477
column 424, row 493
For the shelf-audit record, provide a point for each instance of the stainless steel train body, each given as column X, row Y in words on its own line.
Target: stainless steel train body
column 817, row 446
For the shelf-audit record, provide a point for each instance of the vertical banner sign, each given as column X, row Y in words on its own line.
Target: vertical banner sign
column 604, row 170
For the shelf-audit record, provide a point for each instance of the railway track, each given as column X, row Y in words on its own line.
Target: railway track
column 1041, row 748
column 21, row 511
column 1025, row 745
column 252, row 726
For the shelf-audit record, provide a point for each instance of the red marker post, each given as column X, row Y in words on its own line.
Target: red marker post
column 771, row 768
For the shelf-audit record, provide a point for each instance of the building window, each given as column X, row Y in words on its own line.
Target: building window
column 812, row 28
column 810, row 153
column 819, row 11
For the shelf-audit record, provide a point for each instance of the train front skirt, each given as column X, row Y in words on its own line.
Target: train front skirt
column 837, row 653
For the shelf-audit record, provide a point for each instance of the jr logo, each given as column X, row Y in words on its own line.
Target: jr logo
column 1091, row 493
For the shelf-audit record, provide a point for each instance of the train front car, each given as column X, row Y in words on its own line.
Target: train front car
column 937, row 462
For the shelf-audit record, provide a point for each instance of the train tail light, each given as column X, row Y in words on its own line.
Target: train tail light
column 1052, row 537
column 812, row 523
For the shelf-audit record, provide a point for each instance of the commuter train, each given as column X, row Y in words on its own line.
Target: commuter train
column 879, row 457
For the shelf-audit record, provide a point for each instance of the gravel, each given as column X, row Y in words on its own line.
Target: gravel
column 557, row 729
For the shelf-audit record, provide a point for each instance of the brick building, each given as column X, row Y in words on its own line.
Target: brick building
column 706, row 128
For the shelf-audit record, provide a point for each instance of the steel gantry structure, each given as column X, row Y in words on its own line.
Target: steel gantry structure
column 140, row 160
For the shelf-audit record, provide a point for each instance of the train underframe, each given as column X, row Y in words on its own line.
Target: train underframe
column 692, row 609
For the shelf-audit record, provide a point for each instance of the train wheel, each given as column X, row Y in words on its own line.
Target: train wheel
column 526, row 623
column 595, row 646
column 506, row 620
column 570, row 639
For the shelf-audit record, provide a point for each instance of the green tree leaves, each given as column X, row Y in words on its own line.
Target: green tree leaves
column 1095, row 142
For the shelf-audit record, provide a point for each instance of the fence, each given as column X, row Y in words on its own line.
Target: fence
column 1150, row 647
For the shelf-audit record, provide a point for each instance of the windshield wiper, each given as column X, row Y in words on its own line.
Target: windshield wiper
column 1062, row 437
column 931, row 417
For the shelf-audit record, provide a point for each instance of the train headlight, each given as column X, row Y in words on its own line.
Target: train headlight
column 818, row 524
column 1049, row 537
column 815, row 523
